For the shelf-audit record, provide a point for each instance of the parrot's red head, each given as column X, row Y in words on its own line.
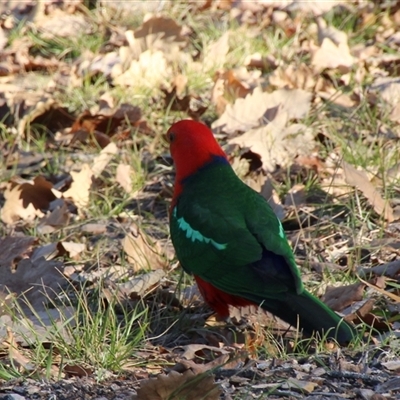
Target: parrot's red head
column 192, row 145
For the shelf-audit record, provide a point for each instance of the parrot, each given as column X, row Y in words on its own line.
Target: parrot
column 228, row 237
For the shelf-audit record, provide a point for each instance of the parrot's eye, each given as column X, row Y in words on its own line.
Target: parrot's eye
column 171, row 137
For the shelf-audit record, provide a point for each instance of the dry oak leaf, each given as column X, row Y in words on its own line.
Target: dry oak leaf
column 176, row 386
column 141, row 251
column 102, row 160
column 29, row 329
column 150, row 70
column 389, row 90
column 215, row 53
column 13, row 247
column 259, row 107
column 26, row 200
column 244, row 114
column 142, row 284
column 276, row 143
column 61, row 24
column 80, row 186
column 331, row 55
column 158, row 33
column 232, row 84
column 123, row 177
column 35, row 280
column 294, row 77
column 359, row 179
column 73, row 249
column 58, row 218
column 338, row 298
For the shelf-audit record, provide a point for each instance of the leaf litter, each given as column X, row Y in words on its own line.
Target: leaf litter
column 272, row 108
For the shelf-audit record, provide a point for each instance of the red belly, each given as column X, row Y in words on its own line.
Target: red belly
column 218, row 300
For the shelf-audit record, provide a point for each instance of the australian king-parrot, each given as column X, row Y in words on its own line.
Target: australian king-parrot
column 228, row 237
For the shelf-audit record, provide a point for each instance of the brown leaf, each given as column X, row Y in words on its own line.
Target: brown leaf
column 101, row 161
column 338, row 298
column 174, row 103
column 159, row 33
column 73, row 249
column 260, row 107
column 37, row 280
column 214, row 55
column 232, row 84
column 277, row 144
column 80, row 186
column 18, row 359
column 193, row 351
column 142, row 284
column 58, row 218
column 151, row 70
column 334, row 51
column 61, row 24
column 391, row 269
column 12, row 248
column 78, row 370
column 175, row 386
column 388, row 89
column 331, row 56
column 27, row 200
column 141, row 251
column 123, row 177
column 359, row 179
column 376, row 285
column 105, row 122
column 294, row 77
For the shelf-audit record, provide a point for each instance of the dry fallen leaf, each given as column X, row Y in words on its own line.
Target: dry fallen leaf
column 388, row 89
column 277, row 144
column 141, row 251
column 150, row 70
column 19, row 360
column 35, row 280
column 244, row 114
column 215, row 53
column 176, row 386
column 142, row 284
column 294, row 77
column 260, row 107
column 73, row 249
column 331, row 55
column 26, row 200
column 157, row 33
column 359, row 179
column 13, row 247
column 58, row 218
column 31, row 329
column 103, row 159
column 338, row 298
column 80, row 186
column 62, row 24
column 123, row 177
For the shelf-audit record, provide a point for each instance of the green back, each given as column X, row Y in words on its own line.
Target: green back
column 221, row 228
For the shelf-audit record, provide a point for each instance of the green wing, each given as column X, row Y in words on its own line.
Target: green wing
column 226, row 233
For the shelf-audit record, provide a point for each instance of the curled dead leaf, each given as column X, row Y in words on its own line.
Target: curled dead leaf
column 12, row 248
column 175, row 386
column 338, row 298
column 26, row 200
column 142, row 284
column 123, row 177
column 359, row 179
column 142, row 252
column 259, row 107
column 80, row 186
